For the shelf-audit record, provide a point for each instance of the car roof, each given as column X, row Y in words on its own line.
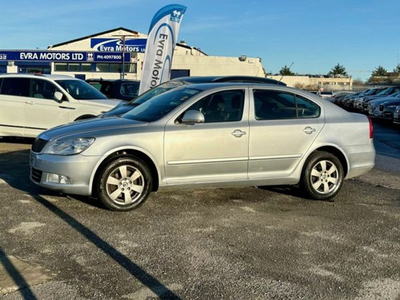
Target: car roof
column 231, row 78
column 53, row 77
column 110, row 80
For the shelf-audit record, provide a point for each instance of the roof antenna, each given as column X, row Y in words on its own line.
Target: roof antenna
column 284, row 75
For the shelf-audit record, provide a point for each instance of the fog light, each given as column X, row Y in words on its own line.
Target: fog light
column 55, row 178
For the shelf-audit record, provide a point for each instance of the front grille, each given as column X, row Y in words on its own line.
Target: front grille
column 38, row 145
column 36, row 175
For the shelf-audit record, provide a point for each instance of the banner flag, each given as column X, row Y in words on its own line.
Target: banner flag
column 161, row 41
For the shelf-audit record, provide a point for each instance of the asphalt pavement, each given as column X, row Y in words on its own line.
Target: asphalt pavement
column 237, row 243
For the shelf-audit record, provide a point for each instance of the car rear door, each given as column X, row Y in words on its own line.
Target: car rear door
column 283, row 126
column 42, row 111
column 213, row 151
column 14, row 94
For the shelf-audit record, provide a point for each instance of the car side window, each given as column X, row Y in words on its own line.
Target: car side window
column 129, row 89
column 15, row 87
column 307, row 108
column 224, row 106
column 276, row 105
column 42, row 89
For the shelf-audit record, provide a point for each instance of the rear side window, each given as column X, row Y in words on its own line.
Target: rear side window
column 275, row 105
column 306, row 108
column 15, row 87
column 129, row 89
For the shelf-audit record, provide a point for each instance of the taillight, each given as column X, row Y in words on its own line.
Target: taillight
column 371, row 129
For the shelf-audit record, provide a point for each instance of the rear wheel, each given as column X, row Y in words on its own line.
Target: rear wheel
column 124, row 184
column 322, row 176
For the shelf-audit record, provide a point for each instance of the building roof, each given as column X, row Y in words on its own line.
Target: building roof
column 92, row 35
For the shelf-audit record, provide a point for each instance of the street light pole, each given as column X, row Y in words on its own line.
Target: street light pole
column 123, row 58
column 123, row 37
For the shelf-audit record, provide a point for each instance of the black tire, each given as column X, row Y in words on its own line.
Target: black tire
column 322, row 176
column 124, row 184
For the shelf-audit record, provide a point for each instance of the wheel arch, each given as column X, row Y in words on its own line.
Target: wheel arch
column 86, row 116
column 339, row 153
column 126, row 152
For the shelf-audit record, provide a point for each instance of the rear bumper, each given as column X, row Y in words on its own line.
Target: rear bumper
column 361, row 159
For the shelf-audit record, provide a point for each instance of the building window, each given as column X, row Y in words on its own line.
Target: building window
column 86, row 67
column 96, row 67
column 74, row 67
column 61, row 67
column 116, row 68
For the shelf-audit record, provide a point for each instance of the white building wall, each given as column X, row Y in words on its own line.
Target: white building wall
column 185, row 58
column 218, row 65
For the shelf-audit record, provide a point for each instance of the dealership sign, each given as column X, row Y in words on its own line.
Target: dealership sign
column 63, row 56
column 117, row 45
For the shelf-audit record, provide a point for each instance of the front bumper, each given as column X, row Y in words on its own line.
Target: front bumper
column 78, row 168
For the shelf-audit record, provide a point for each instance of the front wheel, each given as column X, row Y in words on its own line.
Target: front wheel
column 322, row 176
column 124, row 184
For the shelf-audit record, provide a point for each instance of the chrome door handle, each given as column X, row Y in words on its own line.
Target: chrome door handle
column 29, row 102
column 238, row 133
column 309, row 130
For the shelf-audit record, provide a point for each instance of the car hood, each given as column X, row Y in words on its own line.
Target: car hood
column 89, row 128
column 108, row 103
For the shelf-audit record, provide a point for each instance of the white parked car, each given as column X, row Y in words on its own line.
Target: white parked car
column 31, row 103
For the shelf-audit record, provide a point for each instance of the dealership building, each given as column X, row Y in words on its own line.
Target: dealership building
column 106, row 54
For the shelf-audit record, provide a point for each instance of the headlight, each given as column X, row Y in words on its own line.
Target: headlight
column 391, row 106
column 69, row 146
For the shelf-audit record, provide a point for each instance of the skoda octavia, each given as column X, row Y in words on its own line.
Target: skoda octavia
column 220, row 134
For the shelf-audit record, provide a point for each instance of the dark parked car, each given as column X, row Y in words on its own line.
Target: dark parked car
column 116, row 89
column 166, row 86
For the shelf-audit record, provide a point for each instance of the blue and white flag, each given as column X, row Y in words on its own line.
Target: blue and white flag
column 161, row 41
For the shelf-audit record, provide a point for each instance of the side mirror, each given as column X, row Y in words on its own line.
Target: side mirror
column 192, row 117
column 58, row 96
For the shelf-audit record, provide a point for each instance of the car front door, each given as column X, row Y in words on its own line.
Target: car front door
column 42, row 110
column 283, row 126
column 213, row 151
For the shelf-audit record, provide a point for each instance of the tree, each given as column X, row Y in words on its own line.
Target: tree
column 397, row 69
column 285, row 71
column 379, row 71
column 338, row 71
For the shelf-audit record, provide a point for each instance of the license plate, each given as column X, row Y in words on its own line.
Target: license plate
column 32, row 160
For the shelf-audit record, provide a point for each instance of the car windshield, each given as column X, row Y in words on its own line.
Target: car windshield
column 385, row 91
column 162, row 88
column 159, row 106
column 80, row 90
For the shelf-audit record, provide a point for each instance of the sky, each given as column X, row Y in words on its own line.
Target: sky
column 313, row 35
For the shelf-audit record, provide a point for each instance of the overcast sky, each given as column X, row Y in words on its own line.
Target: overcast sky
column 315, row 35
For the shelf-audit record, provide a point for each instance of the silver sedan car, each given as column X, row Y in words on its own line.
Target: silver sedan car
column 207, row 135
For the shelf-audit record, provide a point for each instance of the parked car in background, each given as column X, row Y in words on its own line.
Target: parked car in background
column 164, row 87
column 116, row 89
column 30, row 103
column 396, row 115
column 198, row 136
column 325, row 94
column 387, row 109
column 383, row 93
column 374, row 106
